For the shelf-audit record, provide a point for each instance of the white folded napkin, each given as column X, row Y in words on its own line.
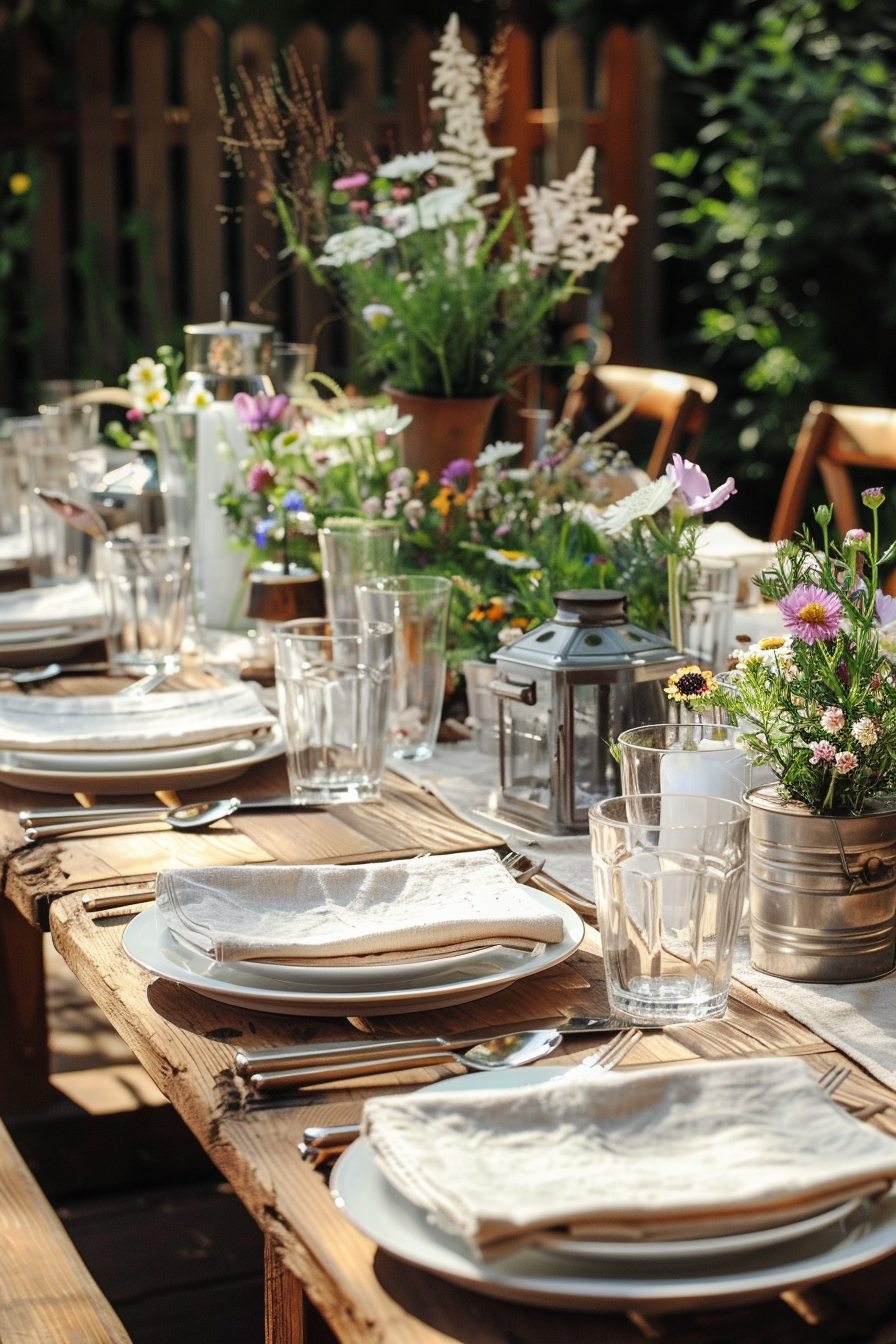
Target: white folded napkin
column 124, row 723
column 327, row 911
column 29, row 609
column 667, row 1152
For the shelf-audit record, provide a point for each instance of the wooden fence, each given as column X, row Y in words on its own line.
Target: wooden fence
column 132, row 215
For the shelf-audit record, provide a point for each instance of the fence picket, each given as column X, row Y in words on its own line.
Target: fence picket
column 310, row 303
column 413, row 88
column 201, row 66
column 361, row 49
column 514, row 126
column 96, row 163
column 618, row 91
column 149, row 80
column 252, row 48
column 565, row 105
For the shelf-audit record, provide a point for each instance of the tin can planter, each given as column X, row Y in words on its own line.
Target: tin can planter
column 822, row 891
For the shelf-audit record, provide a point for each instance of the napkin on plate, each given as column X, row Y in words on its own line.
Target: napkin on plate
column 68, row 604
column 325, row 913
column 125, row 723
column 660, row 1153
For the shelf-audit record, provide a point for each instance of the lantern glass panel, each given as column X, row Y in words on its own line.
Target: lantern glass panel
column 526, row 750
column 594, row 769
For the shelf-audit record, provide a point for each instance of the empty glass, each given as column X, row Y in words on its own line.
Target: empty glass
column 684, row 758
column 351, row 554
column 55, row 451
column 416, row 605
column 333, row 683
column 708, row 612
column 144, row 587
column 669, row 897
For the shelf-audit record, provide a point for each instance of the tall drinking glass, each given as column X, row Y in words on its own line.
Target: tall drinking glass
column 669, row 899
column 144, row 586
column 684, row 758
column 54, row 451
column 351, row 554
column 416, row 605
column 333, row 682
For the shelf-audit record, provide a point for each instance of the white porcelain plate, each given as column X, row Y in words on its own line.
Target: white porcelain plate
column 341, row 993
column 20, row 648
column 548, row 1278
column 139, row 772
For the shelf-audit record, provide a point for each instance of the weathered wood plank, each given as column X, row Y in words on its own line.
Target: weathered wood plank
column 201, row 67
column 361, row 51
column 618, row 92
column 514, row 126
column 413, row 88
column 252, row 50
column 24, row 1052
column 565, row 104
column 96, row 156
column 152, row 179
column 284, row 1304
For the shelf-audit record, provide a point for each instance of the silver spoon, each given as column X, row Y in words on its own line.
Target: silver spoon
column 505, row 1052
column 187, row 817
column 33, row 674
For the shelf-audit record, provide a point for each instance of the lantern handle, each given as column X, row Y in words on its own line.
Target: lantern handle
column 512, row 690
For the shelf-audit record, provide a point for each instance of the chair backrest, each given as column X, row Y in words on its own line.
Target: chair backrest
column 679, row 401
column 833, row 438
column 101, row 396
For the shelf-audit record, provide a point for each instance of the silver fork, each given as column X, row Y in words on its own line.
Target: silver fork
column 834, row 1078
column 523, row 870
column 324, row 1143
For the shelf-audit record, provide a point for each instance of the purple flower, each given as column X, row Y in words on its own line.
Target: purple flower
column 811, row 613
column 402, row 478
column 371, row 507
column 823, row 752
column 456, row 472
column 293, row 501
column 884, row 608
column 260, row 478
column 415, row 512
column 259, row 412
column 873, row 496
column 502, row 530
column 693, row 484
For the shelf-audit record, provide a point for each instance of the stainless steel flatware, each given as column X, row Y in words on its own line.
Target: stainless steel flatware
column 187, row 817
column 145, row 684
column 603, row 1060
column 527, row 870
column 323, row 1143
column 146, row 812
column 24, row 677
column 284, row 1060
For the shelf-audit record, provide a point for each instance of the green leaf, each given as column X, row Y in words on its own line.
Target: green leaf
column 680, row 164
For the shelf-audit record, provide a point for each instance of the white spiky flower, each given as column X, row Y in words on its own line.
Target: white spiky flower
column 358, row 244
column 407, row 167
column 465, row 156
column 566, row 227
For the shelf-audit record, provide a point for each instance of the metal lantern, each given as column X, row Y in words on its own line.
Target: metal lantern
column 567, row 690
column 227, row 357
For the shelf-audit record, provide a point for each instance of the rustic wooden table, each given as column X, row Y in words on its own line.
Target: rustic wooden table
column 186, row 1044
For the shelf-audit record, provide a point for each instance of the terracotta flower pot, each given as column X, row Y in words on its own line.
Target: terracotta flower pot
column 443, row 428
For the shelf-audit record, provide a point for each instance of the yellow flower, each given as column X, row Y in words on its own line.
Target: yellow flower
column 19, row 183
column 495, row 610
column 689, row 684
column 772, row 642
column 442, row 501
column 513, row 555
column 421, row 480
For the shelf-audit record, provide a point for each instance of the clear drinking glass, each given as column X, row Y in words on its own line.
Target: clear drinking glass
column 708, row 611
column 669, row 898
column 144, row 587
column 685, row 758
column 416, row 605
column 55, row 451
column 333, row 683
column 351, row 555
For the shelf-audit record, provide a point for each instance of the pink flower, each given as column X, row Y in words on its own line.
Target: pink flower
column 856, row 536
column 832, row 720
column 351, row 182
column 844, row 762
column 371, row 507
column 884, row 608
column 811, row 613
column 134, row 413
column 361, row 208
column 502, row 530
column 693, row 484
column 259, row 412
column 260, row 478
column 415, row 511
column 822, row 752
column 401, row 194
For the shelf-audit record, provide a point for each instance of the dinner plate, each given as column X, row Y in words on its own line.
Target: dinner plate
column 32, row 647
column 546, row 1278
column 148, row 941
column 141, row 779
column 127, row 761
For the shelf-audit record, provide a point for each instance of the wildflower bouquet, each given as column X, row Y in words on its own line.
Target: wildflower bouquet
column 819, row 703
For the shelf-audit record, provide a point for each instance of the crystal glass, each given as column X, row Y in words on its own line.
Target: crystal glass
column 144, row 587
column 350, row 555
column 290, row 366
column 416, row 605
column 55, row 451
column 708, row 612
column 669, row 895
column 685, row 758
column 333, row 684
column 175, row 432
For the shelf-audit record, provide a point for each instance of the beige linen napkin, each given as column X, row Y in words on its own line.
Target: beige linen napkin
column 667, row 1152
column 331, row 911
column 69, row 604
column 116, row 723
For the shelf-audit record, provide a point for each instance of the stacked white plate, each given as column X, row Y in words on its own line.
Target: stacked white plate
column 346, row 991
column 620, row 1276
column 111, row 745
column 47, row 623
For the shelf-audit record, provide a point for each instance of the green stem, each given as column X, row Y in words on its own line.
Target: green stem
column 675, row 631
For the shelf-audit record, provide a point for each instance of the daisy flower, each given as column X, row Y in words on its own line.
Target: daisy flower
column 689, row 684
column 811, row 613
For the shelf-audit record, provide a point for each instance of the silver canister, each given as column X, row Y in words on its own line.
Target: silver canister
column 822, row 891
column 226, row 357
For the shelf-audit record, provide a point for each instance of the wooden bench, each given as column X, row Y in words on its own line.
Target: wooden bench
column 46, row 1292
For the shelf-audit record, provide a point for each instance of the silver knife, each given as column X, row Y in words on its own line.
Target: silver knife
column 35, row 816
column 286, row 1058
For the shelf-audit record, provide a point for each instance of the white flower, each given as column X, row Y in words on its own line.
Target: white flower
column 199, row 398
column 642, row 503
column 285, row 441
column 865, row 732
column 510, row 634
column 444, row 205
column 149, row 399
column 465, row 156
column 567, row 230
column 497, row 452
column 406, row 167
column 366, row 421
column 376, row 315
column 353, row 245
column 146, row 375
column 513, row 559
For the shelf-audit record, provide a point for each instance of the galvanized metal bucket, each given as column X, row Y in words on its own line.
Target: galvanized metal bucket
column 822, row 891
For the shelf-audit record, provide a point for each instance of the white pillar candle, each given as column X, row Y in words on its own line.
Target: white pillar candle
column 218, row 566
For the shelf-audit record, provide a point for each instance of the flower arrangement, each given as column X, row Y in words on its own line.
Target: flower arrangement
column 448, row 288
column 818, row 704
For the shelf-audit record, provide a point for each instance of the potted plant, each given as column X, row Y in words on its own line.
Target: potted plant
column 818, row 706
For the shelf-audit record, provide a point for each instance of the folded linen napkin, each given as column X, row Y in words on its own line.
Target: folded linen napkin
column 29, row 609
column 658, row 1153
column 330, row 911
column 123, row 723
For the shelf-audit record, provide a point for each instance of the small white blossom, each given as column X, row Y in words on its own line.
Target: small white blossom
column 510, row 634
column 376, row 315
column 353, row 245
column 513, row 559
column 865, row 732
column 199, row 398
column 641, row 503
column 445, row 205
column 145, row 373
column 498, row 452
column 407, row 167
column 567, row 229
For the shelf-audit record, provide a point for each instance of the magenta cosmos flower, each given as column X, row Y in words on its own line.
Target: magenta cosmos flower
column 811, row 613
column 693, row 485
column 259, row 412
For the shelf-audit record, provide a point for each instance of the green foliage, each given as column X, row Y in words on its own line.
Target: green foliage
column 21, row 324
column 781, row 216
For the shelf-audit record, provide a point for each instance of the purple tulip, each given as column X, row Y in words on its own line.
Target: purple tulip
column 693, row 485
column 260, row 412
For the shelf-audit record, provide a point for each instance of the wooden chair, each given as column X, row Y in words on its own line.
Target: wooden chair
column 834, row 438
column 46, row 1292
column 678, row 401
